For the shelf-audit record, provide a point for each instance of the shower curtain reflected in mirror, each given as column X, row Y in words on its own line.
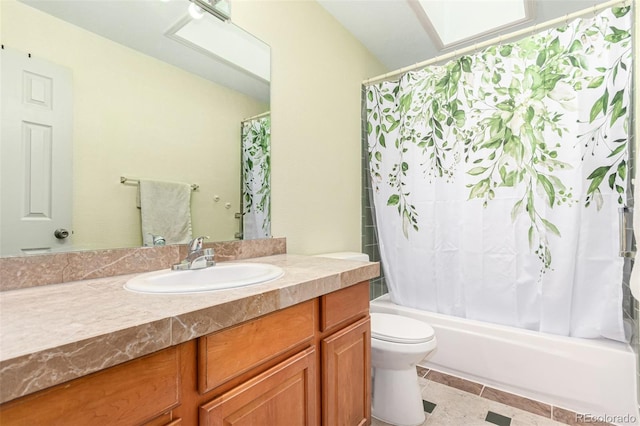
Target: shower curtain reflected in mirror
column 256, row 177
column 497, row 179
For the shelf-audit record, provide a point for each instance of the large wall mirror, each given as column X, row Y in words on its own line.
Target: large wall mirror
column 152, row 94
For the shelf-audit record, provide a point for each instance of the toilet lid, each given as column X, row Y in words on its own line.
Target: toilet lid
column 399, row 329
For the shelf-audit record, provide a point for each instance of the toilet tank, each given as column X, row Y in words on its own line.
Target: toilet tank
column 346, row 255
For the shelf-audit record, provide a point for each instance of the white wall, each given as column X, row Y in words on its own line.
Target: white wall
column 317, row 71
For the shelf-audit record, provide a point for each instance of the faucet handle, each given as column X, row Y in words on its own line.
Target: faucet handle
column 196, row 243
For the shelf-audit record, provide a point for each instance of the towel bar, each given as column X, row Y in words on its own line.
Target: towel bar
column 123, row 180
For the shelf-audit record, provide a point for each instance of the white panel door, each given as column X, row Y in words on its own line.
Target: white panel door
column 35, row 154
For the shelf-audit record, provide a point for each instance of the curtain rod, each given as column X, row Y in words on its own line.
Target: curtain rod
column 496, row 40
column 264, row 114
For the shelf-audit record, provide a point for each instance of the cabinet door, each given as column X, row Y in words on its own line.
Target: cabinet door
column 346, row 377
column 282, row 395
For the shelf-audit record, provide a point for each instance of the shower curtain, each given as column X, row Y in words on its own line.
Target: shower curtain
column 256, row 178
column 497, row 179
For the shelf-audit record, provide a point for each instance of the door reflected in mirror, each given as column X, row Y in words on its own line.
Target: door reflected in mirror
column 136, row 113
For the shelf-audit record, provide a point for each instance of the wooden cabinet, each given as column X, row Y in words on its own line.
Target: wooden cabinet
column 346, row 376
column 227, row 354
column 129, row 394
column 282, row 395
column 307, row 364
column 333, row 335
column 346, row 357
column 344, row 306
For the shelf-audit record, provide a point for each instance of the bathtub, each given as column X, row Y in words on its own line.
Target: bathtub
column 588, row 376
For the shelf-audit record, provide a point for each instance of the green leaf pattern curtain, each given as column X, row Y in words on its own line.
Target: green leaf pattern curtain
column 498, row 176
column 256, row 178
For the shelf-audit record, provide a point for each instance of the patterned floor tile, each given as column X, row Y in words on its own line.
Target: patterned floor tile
column 455, row 407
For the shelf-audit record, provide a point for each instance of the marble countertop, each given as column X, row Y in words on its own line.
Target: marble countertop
column 55, row 333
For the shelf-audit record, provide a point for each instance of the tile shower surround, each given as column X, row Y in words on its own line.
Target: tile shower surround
column 369, row 237
column 631, row 306
column 31, row 271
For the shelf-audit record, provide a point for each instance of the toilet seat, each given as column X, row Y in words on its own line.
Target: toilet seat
column 399, row 329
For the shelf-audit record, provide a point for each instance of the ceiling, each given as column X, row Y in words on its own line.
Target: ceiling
column 161, row 37
column 392, row 31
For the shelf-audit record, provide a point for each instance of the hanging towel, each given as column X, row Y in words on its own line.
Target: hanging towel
column 165, row 210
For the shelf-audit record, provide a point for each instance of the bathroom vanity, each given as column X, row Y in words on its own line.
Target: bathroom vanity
column 293, row 351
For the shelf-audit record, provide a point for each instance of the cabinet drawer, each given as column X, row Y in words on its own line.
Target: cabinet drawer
column 282, row 395
column 231, row 352
column 128, row 394
column 343, row 305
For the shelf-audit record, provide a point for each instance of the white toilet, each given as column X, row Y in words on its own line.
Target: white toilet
column 398, row 343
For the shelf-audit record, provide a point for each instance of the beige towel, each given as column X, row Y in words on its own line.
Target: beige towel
column 165, row 210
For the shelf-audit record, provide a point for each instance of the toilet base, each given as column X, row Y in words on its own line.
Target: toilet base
column 396, row 397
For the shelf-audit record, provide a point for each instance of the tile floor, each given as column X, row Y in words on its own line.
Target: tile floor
column 450, row 401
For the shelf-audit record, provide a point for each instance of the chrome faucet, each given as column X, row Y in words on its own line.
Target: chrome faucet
column 197, row 258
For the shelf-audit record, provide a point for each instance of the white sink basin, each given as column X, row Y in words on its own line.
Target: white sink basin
column 218, row 277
